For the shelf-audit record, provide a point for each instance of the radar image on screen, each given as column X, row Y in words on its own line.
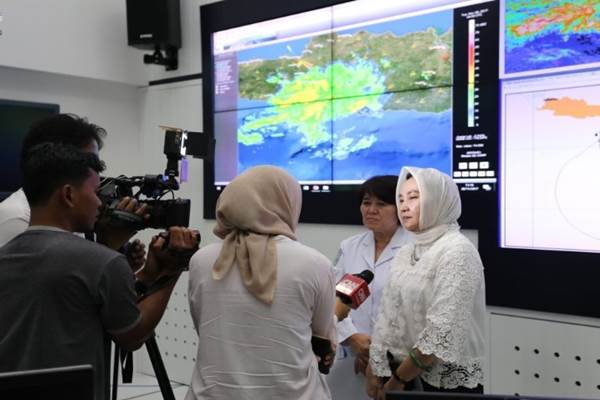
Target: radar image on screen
column 350, row 104
column 544, row 34
column 551, row 146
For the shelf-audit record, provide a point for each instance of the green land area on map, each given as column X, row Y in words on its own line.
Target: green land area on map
column 368, row 73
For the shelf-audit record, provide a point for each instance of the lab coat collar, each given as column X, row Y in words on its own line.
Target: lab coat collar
column 399, row 239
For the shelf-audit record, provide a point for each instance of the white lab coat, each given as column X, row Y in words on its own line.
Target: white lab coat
column 356, row 254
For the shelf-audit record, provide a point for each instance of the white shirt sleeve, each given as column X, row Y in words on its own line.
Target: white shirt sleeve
column 11, row 228
column 346, row 329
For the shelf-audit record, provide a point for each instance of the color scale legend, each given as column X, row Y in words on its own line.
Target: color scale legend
column 472, row 61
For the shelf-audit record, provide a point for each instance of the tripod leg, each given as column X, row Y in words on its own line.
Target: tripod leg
column 115, row 380
column 159, row 369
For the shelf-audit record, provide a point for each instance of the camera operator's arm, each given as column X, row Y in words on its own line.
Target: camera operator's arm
column 163, row 262
column 113, row 235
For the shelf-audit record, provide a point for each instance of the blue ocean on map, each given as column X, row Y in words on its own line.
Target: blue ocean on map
column 553, row 50
column 395, row 138
column 420, row 139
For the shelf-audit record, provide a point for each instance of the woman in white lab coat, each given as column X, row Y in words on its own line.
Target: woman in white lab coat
column 372, row 250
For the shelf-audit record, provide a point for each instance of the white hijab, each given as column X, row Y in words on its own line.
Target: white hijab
column 440, row 202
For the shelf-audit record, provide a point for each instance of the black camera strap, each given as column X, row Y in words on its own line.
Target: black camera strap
column 160, row 283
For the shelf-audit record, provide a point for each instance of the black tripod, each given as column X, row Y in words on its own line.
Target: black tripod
column 158, row 366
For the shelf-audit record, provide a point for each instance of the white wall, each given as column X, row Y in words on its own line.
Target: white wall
column 544, row 354
column 85, row 38
column 113, row 106
column 88, row 38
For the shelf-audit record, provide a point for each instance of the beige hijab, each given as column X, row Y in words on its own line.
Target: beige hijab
column 440, row 202
column 259, row 204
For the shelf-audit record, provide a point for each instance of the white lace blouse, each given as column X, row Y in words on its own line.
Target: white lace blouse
column 435, row 301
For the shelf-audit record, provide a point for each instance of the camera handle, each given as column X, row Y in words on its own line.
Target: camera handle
column 130, row 219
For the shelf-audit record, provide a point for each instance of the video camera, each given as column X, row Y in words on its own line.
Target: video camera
column 163, row 213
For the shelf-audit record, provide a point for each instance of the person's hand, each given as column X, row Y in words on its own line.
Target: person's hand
column 341, row 309
column 327, row 360
column 170, row 253
column 136, row 255
column 360, row 365
column 391, row 385
column 324, row 350
column 374, row 384
column 359, row 343
column 115, row 234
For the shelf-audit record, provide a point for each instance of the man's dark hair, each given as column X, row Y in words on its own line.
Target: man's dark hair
column 64, row 129
column 48, row 166
column 381, row 186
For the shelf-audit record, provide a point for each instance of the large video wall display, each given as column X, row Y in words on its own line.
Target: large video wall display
column 338, row 94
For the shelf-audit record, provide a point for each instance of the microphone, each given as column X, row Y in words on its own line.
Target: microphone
column 322, row 348
column 353, row 290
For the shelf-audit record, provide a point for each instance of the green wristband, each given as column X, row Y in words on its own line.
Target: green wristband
column 418, row 363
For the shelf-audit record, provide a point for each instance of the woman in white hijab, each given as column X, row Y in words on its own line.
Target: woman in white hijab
column 432, row 317
column 257, row 298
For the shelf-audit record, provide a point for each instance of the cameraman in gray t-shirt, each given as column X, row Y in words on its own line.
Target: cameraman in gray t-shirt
column 62, row 296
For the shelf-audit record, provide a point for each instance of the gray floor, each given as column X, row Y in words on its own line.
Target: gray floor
column 145, row 387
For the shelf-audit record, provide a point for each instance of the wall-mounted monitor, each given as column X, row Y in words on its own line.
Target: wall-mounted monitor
column 15, row 119
column 336, row 92
column 545, row 252
column 550, row 152
column 545, row 37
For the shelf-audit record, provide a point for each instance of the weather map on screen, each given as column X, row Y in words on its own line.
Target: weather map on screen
column 550, row 35
column 551, row 145
column 348, row 103
column 402, row 116
column 339, row 94
column 550, row 125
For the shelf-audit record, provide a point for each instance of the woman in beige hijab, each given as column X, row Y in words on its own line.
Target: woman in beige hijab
column 431, row 322
column 258, row 297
